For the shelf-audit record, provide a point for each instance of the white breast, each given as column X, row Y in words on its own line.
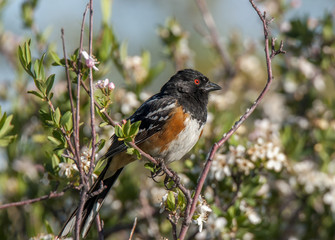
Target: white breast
column 184, row 142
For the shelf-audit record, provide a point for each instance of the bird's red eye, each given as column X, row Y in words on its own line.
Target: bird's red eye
column 196, row 81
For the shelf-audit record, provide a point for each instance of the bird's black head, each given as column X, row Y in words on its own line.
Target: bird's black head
column 191, row 89
column 189, row 83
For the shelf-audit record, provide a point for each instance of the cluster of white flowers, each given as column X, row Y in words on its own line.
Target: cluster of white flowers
column 270, row 153
column 265, row 151
column 135, row 67
column 85, row 158
column 201, row 213
column 223, row 164
column 128, row 99
column 220, row 169
column 66, row 169
column 313, row 180
column 266, row 130
column 105, row 84
column 267, row 147
column 214, row 227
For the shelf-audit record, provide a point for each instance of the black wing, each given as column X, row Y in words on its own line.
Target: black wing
column 153, row 114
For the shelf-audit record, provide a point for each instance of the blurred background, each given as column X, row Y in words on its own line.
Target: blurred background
column 137, row 22
column 273, row 180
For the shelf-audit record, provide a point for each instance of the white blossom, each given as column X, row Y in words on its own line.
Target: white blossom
column 129, row 102
column 329, row 198
column 162, row 203
column 101, row 84
column 134, row 66
column 220, row 168
column 65, row 169
column 252, row 215
column 90, row 61
column 201, row 213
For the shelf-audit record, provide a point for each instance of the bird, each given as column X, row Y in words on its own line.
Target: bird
column 172, row 122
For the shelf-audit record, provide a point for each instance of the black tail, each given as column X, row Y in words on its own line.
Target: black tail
column 92, row 205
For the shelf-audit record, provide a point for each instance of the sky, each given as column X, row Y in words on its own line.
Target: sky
column 137, row 20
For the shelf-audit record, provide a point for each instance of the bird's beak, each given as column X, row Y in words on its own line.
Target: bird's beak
column 211, row 87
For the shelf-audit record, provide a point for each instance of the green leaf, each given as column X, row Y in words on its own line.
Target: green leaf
column 48, row 227
column 3, row 120
column 54, row 140
column 55, row 161
column 5, row 141
column 5, row 125
column 46, row 118
column 126, row 128
column 171, row 201
column 5, row 128
column 119, row 131
column 25, row 57
column 181, row 200
column 123, row 51
column 103, row 124
column 27, row 51
column 101, row 144
column 39, row 68
column 49, row 83
column 56, row 59
column 134, row 128
column 106, row 10
column 150, row 166
column 57, row 116
column 36, row 94
column 138, row 154
column 100, row 165
column 66, row 121
column 22, row 58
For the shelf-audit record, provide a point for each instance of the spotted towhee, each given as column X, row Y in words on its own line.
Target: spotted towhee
column 171, row 123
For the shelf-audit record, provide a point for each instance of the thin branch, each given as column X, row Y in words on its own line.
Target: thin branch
column 174, row 226
column 73, row 110
column 275, row 52
column 99, row 227
column 92, row 108
column 237, row 124
column 67, row 73
column 30, row 201
column 77, row 118
column 102, row 187
column 133, row 229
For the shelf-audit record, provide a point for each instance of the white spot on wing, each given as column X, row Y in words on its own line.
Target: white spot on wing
column 170, row 106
